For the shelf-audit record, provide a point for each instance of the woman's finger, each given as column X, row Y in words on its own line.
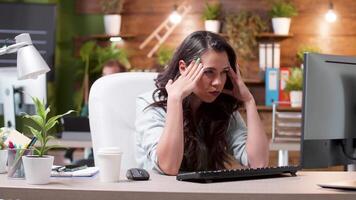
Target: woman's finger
column 200, row 66
column 188, row 68
column 193, row 68
column 200, row 72
column 233, row 77
column 232, row 74
column 238, row 71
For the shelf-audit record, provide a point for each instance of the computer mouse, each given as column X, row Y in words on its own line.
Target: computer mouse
column 137, row 174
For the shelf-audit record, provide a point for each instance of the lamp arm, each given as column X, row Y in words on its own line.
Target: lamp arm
column 13, row 48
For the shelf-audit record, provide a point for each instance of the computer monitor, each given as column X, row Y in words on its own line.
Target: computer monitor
column 19, row 100
column 329, row 111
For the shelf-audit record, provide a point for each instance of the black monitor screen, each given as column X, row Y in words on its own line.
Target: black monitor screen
column 329, row 110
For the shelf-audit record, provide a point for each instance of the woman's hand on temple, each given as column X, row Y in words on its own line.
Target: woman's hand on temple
column 240, row 90
column 186, row 82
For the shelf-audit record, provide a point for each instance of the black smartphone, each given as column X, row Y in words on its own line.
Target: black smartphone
column 72, row 168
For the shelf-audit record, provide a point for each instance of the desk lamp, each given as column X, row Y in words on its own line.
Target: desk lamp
column 30, row 65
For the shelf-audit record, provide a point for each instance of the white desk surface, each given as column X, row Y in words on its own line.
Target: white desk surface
column 274, row 146
column 304, row 186
column 71, row 143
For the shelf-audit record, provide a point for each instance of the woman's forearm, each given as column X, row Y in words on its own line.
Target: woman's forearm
column 171, row 144
column 257, row 143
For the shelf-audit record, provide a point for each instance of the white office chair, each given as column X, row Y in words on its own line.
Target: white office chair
column 112, row 109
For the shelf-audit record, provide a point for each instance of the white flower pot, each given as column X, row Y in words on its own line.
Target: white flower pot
column 3, row 161
column 296, row 98
column 112, row 24
column 37, row 169
column 212, row 26
column 281, row 25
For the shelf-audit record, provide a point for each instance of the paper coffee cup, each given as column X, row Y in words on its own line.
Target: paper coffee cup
column 109, row 161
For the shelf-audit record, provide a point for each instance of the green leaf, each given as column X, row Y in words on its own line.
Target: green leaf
column 52, row 121
column 282, row 8
column 35, row 118
column 50, row 125
column 211, row 11
column 48, row 138
column 86, row 50
column 35, row 133
column 51, row 147
column 37, row 151
column 40, row 108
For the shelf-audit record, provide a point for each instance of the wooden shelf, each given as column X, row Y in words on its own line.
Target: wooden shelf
column 272, row 36
column 103, row 37
column 254, row 82
column 269, row 108
column 263, row 108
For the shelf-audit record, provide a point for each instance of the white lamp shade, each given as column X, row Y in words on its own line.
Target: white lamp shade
column 30, row 63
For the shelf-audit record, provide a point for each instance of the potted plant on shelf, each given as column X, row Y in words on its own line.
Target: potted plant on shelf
column 306, row 49
column 38, row 167
column 294, row 85
column 112, row 17
column 281, row 14
column 211, row 15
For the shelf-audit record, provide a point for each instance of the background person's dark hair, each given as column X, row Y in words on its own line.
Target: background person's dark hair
column 205, row 142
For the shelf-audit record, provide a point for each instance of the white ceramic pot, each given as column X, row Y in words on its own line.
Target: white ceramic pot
column 296, row 98
column 281, row 25
column 212, row 25
column 37, row 169
column 3, row 161
column 112, row 24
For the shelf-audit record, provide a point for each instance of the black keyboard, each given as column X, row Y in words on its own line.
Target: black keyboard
column 237, row 174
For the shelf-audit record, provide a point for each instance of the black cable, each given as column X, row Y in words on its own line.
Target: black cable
column 345, row 153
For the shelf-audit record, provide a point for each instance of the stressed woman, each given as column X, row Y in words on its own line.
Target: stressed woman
column 190, row 122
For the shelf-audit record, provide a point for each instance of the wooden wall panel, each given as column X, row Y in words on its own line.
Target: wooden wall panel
column 141, row 17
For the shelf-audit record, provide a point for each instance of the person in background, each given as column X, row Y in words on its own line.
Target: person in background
column 112, row 67
column 190, row 122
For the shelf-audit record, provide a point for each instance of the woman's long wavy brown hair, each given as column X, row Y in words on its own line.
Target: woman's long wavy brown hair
column 205, row 138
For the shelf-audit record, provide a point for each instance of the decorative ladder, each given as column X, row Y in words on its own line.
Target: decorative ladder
column 166, row 25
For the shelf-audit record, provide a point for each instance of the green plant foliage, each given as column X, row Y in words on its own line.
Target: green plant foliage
column 295, row 80
column 112, row 6
column 93, row 58
column 164, row 55
column 111, row 52
column 211, row 11
column 2, row 138
column 242, row 29
column 306, row 49
column 42, row 125
column 282, row 8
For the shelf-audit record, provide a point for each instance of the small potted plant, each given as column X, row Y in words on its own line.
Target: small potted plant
column 112, row 17
column 38, row 167
column 281, row 14
column 211, row 15
column 306, row 49
column 294, row 85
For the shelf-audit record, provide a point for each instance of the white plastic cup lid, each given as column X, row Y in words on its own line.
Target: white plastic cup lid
column 109, row 150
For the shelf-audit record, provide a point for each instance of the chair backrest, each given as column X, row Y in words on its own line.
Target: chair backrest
column 112, row 110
